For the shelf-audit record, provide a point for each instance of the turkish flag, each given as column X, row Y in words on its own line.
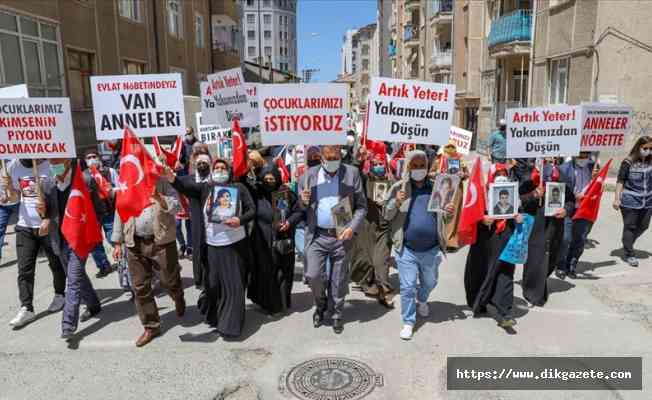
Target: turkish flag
column 239, row 146
column 285, row 174
column 103, row 186
column 171, row 157
column 590, row 204
column 474, row 206
column 138, row 175
column 80, row 226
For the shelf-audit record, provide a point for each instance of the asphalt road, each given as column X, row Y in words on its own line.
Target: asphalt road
column 607, row 311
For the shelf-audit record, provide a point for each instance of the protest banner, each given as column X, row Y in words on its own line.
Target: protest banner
column 36, row 128
column 553, row 131
column 209, row 134
column 461, row 138
column 410, row 111
column 605, row 126
column 14, row 92
column 252, row 93
column 150, row 105
column 312, row 114
column 224, row 97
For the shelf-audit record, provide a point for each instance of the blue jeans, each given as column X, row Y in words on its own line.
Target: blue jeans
column 300, row 241
column 5, row 214
column 78, row 289
column 99, row 253
column 423, row 265
column 565, row 244
column 182, row 242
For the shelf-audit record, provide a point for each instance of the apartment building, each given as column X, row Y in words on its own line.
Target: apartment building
column 270, row 33
column 438, row 45
column 347, row 54
column 383, row 27
column 55, row 46
column 226, row 16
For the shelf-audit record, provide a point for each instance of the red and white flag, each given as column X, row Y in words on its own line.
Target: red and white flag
column 80, row 226
column 285, row 174
column 138, row 175
column 103, row 186
column 474, row 206
column 239, row 146
column 590, row 203
column 171, row 156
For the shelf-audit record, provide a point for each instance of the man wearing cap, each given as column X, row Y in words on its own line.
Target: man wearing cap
column 498, row 143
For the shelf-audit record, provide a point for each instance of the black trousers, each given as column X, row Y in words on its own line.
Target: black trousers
column 635, row 222
column 503, row 294
column 28, row 244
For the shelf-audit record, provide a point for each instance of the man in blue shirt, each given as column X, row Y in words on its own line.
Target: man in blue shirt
column 417, row 237
column 498, row 143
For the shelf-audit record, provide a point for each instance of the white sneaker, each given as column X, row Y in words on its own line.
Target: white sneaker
column 406, row 332
column 423, row 310
column 23, row 318
column 57, row 303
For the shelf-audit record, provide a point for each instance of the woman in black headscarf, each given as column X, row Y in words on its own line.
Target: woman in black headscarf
column 270, row 284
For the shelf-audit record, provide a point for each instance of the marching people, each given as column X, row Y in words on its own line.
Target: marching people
column 79, row 287
column 277, row 213
column 7, row 206
column 227, row 209
column 371, row 251
column 634, row 195
column 451, row 162
column 31, row 235
column 417, row 237
column 322, row 188
column 151, row 246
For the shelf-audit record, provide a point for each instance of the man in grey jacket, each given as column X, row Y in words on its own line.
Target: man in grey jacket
column 325, row 186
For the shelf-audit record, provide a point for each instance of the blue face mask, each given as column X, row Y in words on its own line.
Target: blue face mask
column 378, row 170
column 57, row 169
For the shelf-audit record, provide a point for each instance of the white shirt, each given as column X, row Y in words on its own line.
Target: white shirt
column 328, row 188
column 23, row 181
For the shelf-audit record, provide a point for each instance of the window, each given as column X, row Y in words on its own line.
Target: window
column 80, row 69
column 37, row 62
column 132, row 68
column 251, row 51
column 250, row 3
column 184, row 82
column 266, row 3
column 251, row 19
column 558, row 81
column 268, row 34
column 280, row 20
column 365, row 65
column 175, row 18
column 251, row 35
column 199, row 31
column 268, row 51
column 267, row 19
column 130, row 9
column 280, row 35
column 285, row 20
column 519, row 87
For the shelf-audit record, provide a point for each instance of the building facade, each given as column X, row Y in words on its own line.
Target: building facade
column 384, row 32
column 269, row 28
column 56, row 46
column 226, row 17
column 349, row 64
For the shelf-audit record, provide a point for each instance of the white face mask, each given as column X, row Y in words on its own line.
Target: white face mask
column 93, row 161
column 418, row 174
column 220, row 177
column 645, row 153
column 500, row 179
column 331, row 166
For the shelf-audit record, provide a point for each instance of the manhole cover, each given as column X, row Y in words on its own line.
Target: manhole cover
column 331, row 378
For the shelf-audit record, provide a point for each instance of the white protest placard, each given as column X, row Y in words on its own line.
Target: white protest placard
column 209, row 133
column 36, row 128
column 14, row 92
column 553, row 131
column 462, row 139
column 410, row 111
column 151, row 105
column 225, row 97
column 605, row 126
column 252, row 93
column 312, row 114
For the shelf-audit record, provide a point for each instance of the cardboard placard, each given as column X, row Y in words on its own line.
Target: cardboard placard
column 410, row 111
column 309, row 114
column 462, row 139
column 553, row 131
column 224, row 97
column 36, row 128
column 252, row 93
column 14, row 92
column 151, row 105
column 605, row 126
column 209, row 133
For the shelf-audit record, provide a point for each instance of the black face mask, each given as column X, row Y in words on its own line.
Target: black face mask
column 313, row 163
column 268, row 187
column 203, row 170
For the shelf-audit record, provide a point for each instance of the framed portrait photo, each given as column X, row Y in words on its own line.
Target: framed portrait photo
column 380, row 189
column 400, row 166
column 223, row 204
column 503, row 199
column 280, row 207
column 443, row 192
column 555, row 197
column 342, row 214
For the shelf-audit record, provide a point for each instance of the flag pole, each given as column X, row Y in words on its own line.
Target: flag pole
column 5, row 173
column 293, row 178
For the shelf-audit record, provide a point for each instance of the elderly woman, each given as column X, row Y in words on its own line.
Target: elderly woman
column 417, row 236
column 227, row 243
column 271, row 279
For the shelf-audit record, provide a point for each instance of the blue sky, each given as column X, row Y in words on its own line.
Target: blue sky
column 321, row 26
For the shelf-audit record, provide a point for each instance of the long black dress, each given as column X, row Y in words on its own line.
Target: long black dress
column 271, row 278
column 199, row 254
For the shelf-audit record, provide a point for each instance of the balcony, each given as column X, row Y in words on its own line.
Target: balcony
column 441, row 11
column 411, row 35
column 410, row 4
column 511, row 34
column 442, row 59
column 391, row 50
